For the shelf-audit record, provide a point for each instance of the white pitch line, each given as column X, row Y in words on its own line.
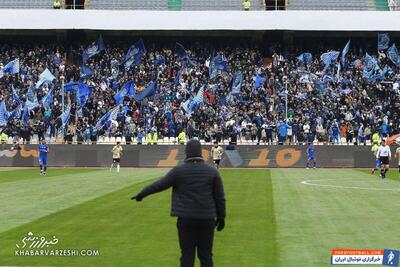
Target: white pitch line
column 307, row 182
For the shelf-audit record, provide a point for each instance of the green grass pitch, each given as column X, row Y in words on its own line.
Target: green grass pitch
column 278, row 217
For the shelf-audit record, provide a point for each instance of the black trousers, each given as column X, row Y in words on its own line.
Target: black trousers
column 196, row 234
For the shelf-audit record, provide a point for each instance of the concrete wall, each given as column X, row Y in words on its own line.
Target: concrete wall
column 198, row 20
column 169, row 156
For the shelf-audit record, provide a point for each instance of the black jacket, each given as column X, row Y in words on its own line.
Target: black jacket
column 197, row 190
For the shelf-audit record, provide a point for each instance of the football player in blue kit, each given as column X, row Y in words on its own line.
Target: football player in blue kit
column 43, row 150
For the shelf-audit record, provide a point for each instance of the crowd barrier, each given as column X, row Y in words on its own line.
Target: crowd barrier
column 152, row 156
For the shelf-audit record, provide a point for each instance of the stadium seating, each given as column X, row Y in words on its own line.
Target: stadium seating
column 219, row 5
column 26, row 4
column 129, row 4
column 331, row 5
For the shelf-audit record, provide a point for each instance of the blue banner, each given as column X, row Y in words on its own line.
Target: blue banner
column 236, row 82
column 12, row 67
column 94, row 49
column 147, row 92
column 383, row 41
column 328, row 58
column 344, row 53
column 127, row 89
column 45, row 77
column 306, row 58
column 86, row 72
column 393, row 55
column 134, row 54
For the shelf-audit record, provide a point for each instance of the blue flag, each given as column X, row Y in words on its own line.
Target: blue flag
column 45, row 77
column 12, row 67
column 383, row 41
column 236, row 82
column 3, row 114
column 134, row 54
column 25, row 115
column 31, row 98
column 15, row 96
column 86, row 72
column 83, row 93
column 328, row 58
column 197, row 100
column 47, row 101
column 64, row 117
column 159, row 60
column 393, row 55
column 370, row 66
column 259, row 81
column 344, row 53
column 71, row 86
column 306, row 58
column 217, row 64
column 180, row 51
column 147, row 92
column 379, row 76
column 102, row 121
column 127, row 90
column 94, row 49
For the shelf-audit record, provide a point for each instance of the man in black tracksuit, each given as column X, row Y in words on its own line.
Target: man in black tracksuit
column 198, row 200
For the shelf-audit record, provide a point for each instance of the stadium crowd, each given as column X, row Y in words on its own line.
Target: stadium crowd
column 211, row 92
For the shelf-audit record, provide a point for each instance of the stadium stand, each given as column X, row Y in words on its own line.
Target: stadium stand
column 199, row 95
column 130, row 4
column 331, row 5
column 31, row 4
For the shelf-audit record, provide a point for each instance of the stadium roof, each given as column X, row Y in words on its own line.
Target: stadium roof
column 200, row 20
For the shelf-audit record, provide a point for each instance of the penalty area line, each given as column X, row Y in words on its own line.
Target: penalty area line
column 308, row 182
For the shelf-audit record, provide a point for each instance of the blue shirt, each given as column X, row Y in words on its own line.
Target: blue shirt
column 283, row 129
column 43, row 149
column 310, row 151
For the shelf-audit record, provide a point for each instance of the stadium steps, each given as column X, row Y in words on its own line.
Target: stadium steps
column 381, row 5
column 330, row 5
column 220, row 5
column 129, row 4
column 26, row 4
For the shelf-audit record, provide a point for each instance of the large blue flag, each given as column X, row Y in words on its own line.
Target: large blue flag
column 12, row 67
column 236, row 82
column 134, row 54
column 71, row 86
column 147, row 92
column 3, row 114
column 370, row 66
column 393, row 55
column 81, row 90
column 47, row 100
column 344, row 53
column 217, row 64
column 328, row 58
column 197, row 100
column 45, row 77
column 94, row 49
column 86, row 72
column 378, row 76
column 31, row 98
column 102, row 121
column 127, row 89
column 159, row 60
column 306, row 58
column 65, row 116
column 180, row 51
column 383, row 41
column 15, row 96
column 25, row 115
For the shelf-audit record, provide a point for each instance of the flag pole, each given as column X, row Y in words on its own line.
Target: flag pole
column 63, row 105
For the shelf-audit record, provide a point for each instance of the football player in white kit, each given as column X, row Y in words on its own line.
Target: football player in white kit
column 384, row 155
